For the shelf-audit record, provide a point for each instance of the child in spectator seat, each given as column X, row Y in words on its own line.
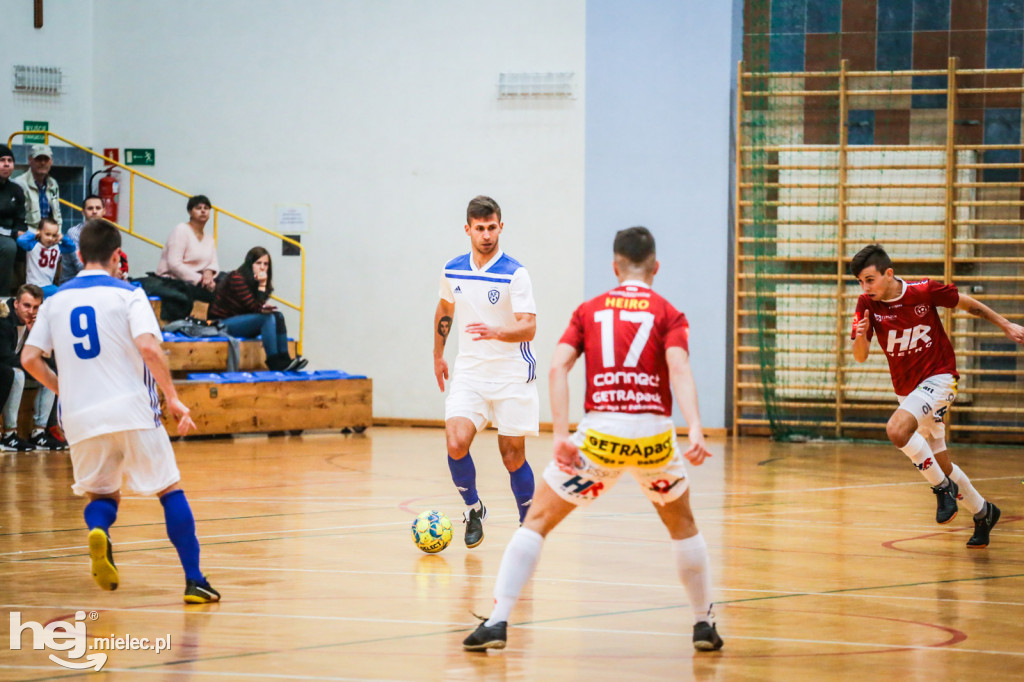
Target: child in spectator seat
column 240, row 303
column 43, row 250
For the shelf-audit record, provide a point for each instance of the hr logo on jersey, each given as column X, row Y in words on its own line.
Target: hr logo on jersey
column 493, row 295
column 662, row 486
column 921, row 310
column 908, row 340
column 580, row 486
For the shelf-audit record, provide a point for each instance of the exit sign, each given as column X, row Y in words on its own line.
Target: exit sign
column 36, row 125
column 139, row 157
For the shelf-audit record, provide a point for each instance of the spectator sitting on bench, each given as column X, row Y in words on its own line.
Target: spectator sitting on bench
column 240, row 303
column 188, row 265
column 42, row 252
column 13, row 330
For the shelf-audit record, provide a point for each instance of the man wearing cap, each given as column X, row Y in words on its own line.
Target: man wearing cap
column 42, row 195
column 12, row 218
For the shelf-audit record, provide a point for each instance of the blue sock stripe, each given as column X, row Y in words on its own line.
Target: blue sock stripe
column 101, row 513
column 464, row 477
column 181, row 530
column 522, row 488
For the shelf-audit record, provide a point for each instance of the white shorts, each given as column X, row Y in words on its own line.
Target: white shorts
column 143, row 458
column 513, row 408
column 929, row 403
column 611, row 443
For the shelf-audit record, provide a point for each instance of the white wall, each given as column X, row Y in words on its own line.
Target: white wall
column 383, row 117
column 65, row 40
column 657, row 139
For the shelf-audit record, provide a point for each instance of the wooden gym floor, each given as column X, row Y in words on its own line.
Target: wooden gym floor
column 826, row 561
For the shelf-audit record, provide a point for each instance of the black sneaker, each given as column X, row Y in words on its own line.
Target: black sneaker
column 945, row 499
column 58, row 435
column 705, row 637
column 44, row 441
column 200, row 592
column 983, row 526
column 298, row 363
column 12, row 443
column 474, row 521
column 487, row 637
column 101, row 554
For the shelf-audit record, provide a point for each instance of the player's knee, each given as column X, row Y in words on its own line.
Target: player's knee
column 541, row 519
column 513, row 460
column 898, row 432
column 457, row 447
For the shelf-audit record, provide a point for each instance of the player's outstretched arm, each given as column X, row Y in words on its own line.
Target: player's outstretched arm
column 566, row 454
column 685, row 389
column 153, row 355
column 979, row 309
column 32, row 361
column 523, row 329
column 442, row 328
column 861, row 344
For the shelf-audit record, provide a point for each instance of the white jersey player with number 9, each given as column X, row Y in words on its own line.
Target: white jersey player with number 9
column 106, row 342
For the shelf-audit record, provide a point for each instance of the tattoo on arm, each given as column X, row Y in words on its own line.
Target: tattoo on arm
column 975, row 310
column 444, row 326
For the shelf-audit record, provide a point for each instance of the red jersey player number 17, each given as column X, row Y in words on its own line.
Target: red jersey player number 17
column 624, row 334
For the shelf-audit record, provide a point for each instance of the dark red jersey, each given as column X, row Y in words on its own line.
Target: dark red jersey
column 624, row 334
column 910, row 332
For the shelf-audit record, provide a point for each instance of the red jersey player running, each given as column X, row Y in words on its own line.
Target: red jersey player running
column 636, row 348
column 923, row 368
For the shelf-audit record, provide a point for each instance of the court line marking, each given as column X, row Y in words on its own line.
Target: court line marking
column 283, row 616
column 161, row 524
column 723, row 493
column 770, row 594
column 210, row 537
column 214, row 673
column 793, row 640
column 528, row 625
column 549, row 579
column 495, row 516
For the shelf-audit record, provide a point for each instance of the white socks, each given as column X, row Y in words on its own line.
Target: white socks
column 919, row 452
column 972, row 498
column 523, row 553
column 517, row 566
column 691, row 557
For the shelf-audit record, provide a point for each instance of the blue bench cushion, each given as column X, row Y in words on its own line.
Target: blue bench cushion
column 258, row 377
column 177, row 337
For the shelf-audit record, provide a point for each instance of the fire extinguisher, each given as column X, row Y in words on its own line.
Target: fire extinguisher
column 108, row 192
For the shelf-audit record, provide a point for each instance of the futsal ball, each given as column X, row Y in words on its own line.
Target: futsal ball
column 432, row 531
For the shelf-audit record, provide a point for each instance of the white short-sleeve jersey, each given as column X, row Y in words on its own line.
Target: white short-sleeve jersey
column 41, row 264
column 91, row 324
column 492, row 295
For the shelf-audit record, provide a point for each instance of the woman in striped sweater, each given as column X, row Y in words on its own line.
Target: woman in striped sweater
column 240, row 303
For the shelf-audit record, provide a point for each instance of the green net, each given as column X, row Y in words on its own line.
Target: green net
column 832, row 159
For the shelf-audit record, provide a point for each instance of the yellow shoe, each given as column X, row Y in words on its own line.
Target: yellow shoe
column 101, row 551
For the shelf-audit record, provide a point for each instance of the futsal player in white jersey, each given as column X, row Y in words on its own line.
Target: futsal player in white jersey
column 106, row 342
column 491, row 297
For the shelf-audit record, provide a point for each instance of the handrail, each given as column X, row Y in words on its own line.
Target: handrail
column 300, row 307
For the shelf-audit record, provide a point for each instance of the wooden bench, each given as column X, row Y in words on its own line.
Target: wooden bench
column 212, row 356
column 274, row 406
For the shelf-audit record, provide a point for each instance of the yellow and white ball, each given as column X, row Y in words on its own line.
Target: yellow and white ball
column 432, row 531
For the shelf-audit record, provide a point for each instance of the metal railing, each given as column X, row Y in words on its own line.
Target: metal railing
column 300, row 307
